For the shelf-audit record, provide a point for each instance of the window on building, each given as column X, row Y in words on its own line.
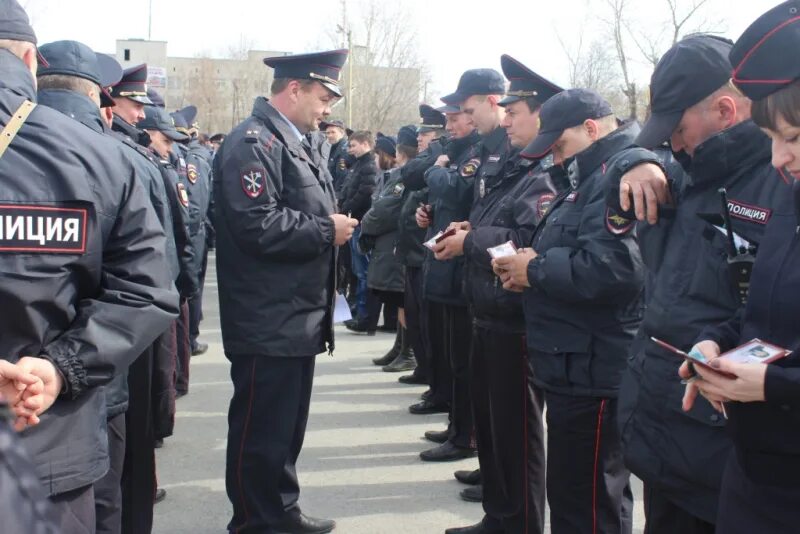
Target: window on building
column 127, row 54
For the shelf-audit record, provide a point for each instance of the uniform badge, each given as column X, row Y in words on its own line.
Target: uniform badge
column 543, row 204
column 617, row 224
column 749, row 213
column 398, row 190
column 253, row 183
column 493, row 159
column 191, row 172
column 482, row 188
column 342, row 164
column 470, row 168
column 572, row 197
column 183, row 195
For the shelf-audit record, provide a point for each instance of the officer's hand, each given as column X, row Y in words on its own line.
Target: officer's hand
column 20, row 390
column 464, row 225
column 514, row 269
column 747, row 384
column 344, row 228
column 51, row 379
column 710, row 350
column 442, row 161
column 451, row 247
column 648, row 186
column 423, row 216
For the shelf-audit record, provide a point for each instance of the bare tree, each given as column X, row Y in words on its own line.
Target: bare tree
column 618, row 23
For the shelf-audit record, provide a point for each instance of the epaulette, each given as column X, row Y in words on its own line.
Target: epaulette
column 251, row 135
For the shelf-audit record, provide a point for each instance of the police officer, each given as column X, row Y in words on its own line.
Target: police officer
column 431, row 126
column 336, row 133
column 278, row 231
column 759, row 486
column 83, row 233
column 198, row 185
column 583, row 303
column 508, row 424
column 680, row 456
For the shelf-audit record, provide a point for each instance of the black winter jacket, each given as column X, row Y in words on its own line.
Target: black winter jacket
column 357, row 191
column 379, row 226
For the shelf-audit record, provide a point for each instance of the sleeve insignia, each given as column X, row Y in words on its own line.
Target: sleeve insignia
column 253, row 182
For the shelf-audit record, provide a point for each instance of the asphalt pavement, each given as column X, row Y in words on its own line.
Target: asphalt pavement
column 360, row 463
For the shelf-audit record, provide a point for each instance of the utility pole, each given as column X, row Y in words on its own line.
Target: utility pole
column 150, row 23
column 350, row 60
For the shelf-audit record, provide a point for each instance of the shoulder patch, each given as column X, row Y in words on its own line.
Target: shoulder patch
column 183, row 195
column 544, row 203
column 749, row 213
column 43, row 229
column 253, row 181
column 470, row 168
column 342, row 164
column 191, row 172
column 617, row 224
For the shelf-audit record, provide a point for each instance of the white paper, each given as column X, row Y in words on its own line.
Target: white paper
column 341, row 310
column 430, row 243
column 502, row 251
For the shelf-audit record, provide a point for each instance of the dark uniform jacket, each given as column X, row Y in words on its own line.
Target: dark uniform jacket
column 766, row 435
column 84, row 280
column 23, row 502
column 275, row 246
column 410, row 236
column 450, row 193
column 197, row 183
column 357, row 191
column 689, row 287
column 337, row 164
column 510, row 210
column 379, row 229
column 585, row 301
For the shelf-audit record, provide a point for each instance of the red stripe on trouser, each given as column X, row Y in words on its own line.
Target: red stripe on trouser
column 596, row 461
column 241, row 445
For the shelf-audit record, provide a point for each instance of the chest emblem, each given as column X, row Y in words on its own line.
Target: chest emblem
column 191, row 172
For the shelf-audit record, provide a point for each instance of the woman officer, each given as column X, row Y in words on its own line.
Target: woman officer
column 761, row 485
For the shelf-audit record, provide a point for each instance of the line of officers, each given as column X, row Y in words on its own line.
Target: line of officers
column 683, row 230
column 103, row 240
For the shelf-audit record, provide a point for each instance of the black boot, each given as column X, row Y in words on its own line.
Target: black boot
column 389, row 357
column 405, row 360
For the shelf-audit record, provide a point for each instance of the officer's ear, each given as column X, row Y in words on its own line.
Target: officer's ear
column 29, row 57
column 592, row 129
column 726, row 109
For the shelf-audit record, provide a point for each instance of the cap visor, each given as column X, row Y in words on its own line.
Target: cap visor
column 332, row 88
column 453, row 99
column 658, row 129
column 448, row 109
column 541, row 145
column 426, row 129
column 175, row 135
column 141, row 99
column 509, row 100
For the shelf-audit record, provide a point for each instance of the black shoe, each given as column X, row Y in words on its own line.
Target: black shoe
column 446, row 452
column 387, row 328
column 437, row 436
column 412, row 379
column 179, row 394
column 161, row 494
column 359, row 327
column 159, row 443
column 199, row 348
column 472, row 494
column 426, row 395
column 477, row 528
column 427, row 407
column 404, row 362
column 386, row 359
column 300, row 523
column 471, row 478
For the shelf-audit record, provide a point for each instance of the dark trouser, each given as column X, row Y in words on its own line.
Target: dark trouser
column 346, row 280
column 587, row 483
column 360, row 267
column 163, row 386
column 390, row 313
column 108, row 490
column 438, row 338
column 458, row 345
column 374, row 306
column 73, row 511
column 139, row 469
column 508, row 425
column 184, row 350
column 662, row 516
column 416, row 311
column 266, row 427
column 196, row 305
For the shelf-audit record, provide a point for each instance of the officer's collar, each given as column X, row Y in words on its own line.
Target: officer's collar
column 588, row 161
column 365, row 156
column 495, row 141
column 75, row 105
column 461, row 143
column 288, row 132
column 138, row 136
column 727, row 152
column 16, row 76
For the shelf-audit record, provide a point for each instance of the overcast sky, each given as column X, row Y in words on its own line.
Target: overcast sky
column 454, row 35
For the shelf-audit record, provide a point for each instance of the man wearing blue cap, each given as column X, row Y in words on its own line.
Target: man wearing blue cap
column 582, row 281
column 85, row 280
column 695, row 277
column 278, row 231
column 508, row 425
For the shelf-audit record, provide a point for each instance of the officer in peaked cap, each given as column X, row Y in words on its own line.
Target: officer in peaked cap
column 72, row 58
column 278, row 230
column 80, row 304
column 337, row 135
column 431, row 125
column 524, row 83
column 130, row 93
